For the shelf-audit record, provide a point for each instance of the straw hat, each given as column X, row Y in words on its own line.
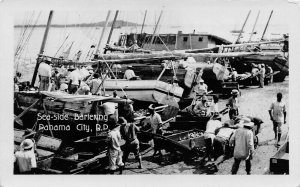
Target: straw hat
column 151, row 107
column 27, row 144
column 234, row 92
column 71, row 68
column 247, row 122
column 47, row 60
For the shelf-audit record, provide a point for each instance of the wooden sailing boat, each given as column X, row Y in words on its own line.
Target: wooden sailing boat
column 154, row 91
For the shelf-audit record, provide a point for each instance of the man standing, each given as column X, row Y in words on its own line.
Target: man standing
column 114, row 148
column 95, row 84
column 233, row 104
column 155, row 119
column 243, row 143
column 74, row 80
column 262, row 72
column 128, row 132
column 222, row 150
column 209, row 134
column 25, row 158
column 44, row 73
column 278, row 116
column 269, row 75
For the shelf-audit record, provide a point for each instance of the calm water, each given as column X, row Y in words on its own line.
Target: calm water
column 83, row 38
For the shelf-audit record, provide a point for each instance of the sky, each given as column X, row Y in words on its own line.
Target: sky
column 175, row 12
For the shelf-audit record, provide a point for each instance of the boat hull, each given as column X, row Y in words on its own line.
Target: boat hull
column 145, row 90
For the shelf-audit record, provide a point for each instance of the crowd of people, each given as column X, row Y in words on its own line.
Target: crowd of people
column 222, row 140
column 81, row 80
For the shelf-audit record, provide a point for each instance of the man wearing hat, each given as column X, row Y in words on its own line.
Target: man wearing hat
column 233, row 75
column 201, row 108
column 129, row 73
column 95, row 84
column 25, row 158
column 44, row 73
column 114, row 147
column 221, row 148
column 128, row 132
column 134, row 46
column 74, row 80
column 285, row 47
column 262, row 72
column 209, row 134
column 155, row 119
column 233, row 104
column 200, row 88
column 243, row 142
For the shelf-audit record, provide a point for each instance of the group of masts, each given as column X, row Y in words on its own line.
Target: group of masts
column 242, row 30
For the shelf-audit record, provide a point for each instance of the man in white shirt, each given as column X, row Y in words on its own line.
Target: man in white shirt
column 278, row 116
column 221, row 148
column 209, row 134
column 129, row 73
column 44, row 73
column 74, row 80
column 26, row 159
column 114, row 148
column 214, row 107
column 155, row 119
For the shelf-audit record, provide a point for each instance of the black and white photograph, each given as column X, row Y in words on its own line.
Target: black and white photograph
column 180, row 88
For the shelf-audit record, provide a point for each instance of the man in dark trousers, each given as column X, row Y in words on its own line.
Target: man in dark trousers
column 243, row 143
column 128, row 132
column 278, row 116
column 233, row 104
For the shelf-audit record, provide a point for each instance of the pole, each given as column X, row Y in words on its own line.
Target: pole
column 241, row 31
column 266, row 26
column 111, row 29
column 103, row 31
column 144, row 21
column 42, row 48
column 154, row 32
column 254, row 26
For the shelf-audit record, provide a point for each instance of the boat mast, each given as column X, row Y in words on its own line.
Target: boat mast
column 38, row 60
column 111, row 29
column 103, row 31
column 154, row 32
column 254, row 26
column 266, row 26
column 241, row 31
column 144, row 21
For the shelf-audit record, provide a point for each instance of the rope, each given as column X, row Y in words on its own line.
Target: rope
column 21, row 49
column 112, row 74
column 170, row 52
column 62, row 45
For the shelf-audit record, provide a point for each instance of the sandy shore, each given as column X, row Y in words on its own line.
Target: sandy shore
column 254, row 102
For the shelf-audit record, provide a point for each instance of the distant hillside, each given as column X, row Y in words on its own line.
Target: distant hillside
column 119, row 23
